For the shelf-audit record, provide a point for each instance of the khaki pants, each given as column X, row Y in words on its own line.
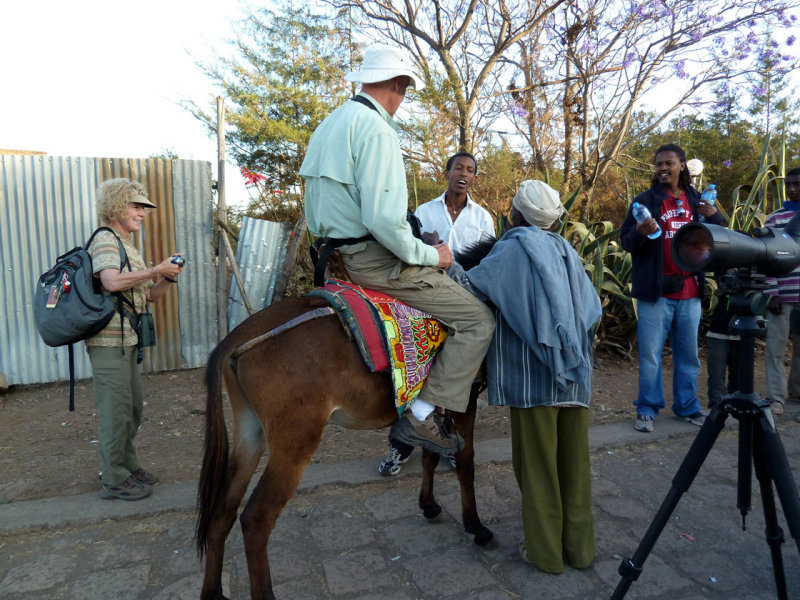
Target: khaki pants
column 550, row 455
column 119, row 398
column 469, row 321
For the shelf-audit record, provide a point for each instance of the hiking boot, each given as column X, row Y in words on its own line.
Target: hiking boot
column 144, row 477
column 391, row 463
column 697, row 418
column 776, row 407
column 130, row 489
column 643, row 423
column 428, row 433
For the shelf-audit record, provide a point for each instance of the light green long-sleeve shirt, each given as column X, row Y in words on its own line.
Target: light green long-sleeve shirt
column 356, row 184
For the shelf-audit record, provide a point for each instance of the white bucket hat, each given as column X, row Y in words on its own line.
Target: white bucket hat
column 382, row 63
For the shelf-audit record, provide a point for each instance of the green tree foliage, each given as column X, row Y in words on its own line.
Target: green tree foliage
column 286, row 75
column 166, row 154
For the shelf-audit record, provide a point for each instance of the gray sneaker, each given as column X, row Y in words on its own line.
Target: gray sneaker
column 643, row 423
column 129, row 489
column 428, row 433
column 697, row 418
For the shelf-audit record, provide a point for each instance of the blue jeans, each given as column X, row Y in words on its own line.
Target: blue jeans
column 681, row 320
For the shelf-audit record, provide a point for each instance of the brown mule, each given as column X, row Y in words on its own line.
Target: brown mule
column 283, row 391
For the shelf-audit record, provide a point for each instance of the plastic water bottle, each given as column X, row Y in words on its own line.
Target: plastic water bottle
column 641, row 214
column 709, row 196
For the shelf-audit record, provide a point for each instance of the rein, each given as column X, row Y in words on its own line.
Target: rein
column 314, row 314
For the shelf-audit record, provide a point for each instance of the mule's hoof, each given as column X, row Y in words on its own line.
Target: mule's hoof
column 433, row 513
column 485, row 539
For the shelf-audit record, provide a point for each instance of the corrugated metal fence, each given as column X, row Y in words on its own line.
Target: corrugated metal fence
column 260, row 255
column 47, row 207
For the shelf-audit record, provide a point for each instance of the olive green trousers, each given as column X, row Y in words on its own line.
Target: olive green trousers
column 550, row 455
column 119, row 399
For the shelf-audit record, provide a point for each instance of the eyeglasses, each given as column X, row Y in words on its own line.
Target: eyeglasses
column 681, row 211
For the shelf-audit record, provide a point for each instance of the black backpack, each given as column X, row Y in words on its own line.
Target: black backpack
column 69, row 306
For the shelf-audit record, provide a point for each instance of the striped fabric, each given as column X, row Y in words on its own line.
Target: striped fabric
column 517, row 378
column 105, row 255
column 787, row 288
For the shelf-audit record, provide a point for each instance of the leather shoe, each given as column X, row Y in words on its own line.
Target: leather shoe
column 428, row 434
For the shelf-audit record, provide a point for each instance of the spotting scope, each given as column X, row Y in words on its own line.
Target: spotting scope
column 771, row 251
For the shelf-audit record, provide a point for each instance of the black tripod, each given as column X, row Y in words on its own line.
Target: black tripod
column 759, row 446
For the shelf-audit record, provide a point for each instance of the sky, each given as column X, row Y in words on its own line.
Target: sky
column 105, row 79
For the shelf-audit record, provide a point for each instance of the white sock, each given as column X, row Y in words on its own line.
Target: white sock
column 421, row 409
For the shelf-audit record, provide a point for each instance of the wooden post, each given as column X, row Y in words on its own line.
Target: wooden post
column 235, row 268
column 222, row 215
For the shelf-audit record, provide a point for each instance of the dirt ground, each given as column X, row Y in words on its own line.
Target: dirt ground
column 47, row 451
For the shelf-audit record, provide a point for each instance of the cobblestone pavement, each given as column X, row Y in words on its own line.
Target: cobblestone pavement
column 350, row 534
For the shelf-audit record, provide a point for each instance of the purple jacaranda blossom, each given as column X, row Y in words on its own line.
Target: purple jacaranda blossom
column 791, row 40
column 760, row 91
column 727, row 163
column 629, row 59
column 683, row 123
column 517, row 111
column 696, row 35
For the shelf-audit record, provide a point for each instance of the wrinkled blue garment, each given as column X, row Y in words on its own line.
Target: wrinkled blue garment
column 537, row 281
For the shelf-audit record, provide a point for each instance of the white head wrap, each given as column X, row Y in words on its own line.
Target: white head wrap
column 538, row 203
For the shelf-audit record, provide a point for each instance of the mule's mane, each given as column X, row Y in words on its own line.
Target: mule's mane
column 474, row 253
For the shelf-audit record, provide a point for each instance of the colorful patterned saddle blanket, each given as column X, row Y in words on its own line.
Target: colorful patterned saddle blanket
column 389, row 334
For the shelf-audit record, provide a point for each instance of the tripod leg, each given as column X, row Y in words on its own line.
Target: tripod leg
column 781, row 474
column 631, row 568
column 745, row 469
column 772, row 530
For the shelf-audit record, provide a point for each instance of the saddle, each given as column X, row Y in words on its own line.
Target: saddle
column 390, row 335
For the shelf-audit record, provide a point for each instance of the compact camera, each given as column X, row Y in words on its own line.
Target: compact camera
column 178, row 260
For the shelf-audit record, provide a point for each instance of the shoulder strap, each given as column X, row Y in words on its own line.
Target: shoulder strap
column 131, row 315
column 364, row 101
column 123, row 255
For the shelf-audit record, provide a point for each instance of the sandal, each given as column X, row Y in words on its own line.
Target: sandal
column 523, row 553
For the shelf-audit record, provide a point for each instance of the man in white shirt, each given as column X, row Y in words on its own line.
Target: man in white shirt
column 455, row 219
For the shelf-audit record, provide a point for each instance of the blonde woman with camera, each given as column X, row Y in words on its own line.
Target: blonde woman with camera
column 114, row 352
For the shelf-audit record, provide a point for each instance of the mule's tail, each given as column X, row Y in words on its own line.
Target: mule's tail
column 211, row 489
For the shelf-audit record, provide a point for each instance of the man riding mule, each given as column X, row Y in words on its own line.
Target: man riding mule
column 356, row 196
column 290, row 369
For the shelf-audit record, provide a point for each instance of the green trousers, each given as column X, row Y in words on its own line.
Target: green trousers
column 119, row 399
column 550, row 455
column 470, row 324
